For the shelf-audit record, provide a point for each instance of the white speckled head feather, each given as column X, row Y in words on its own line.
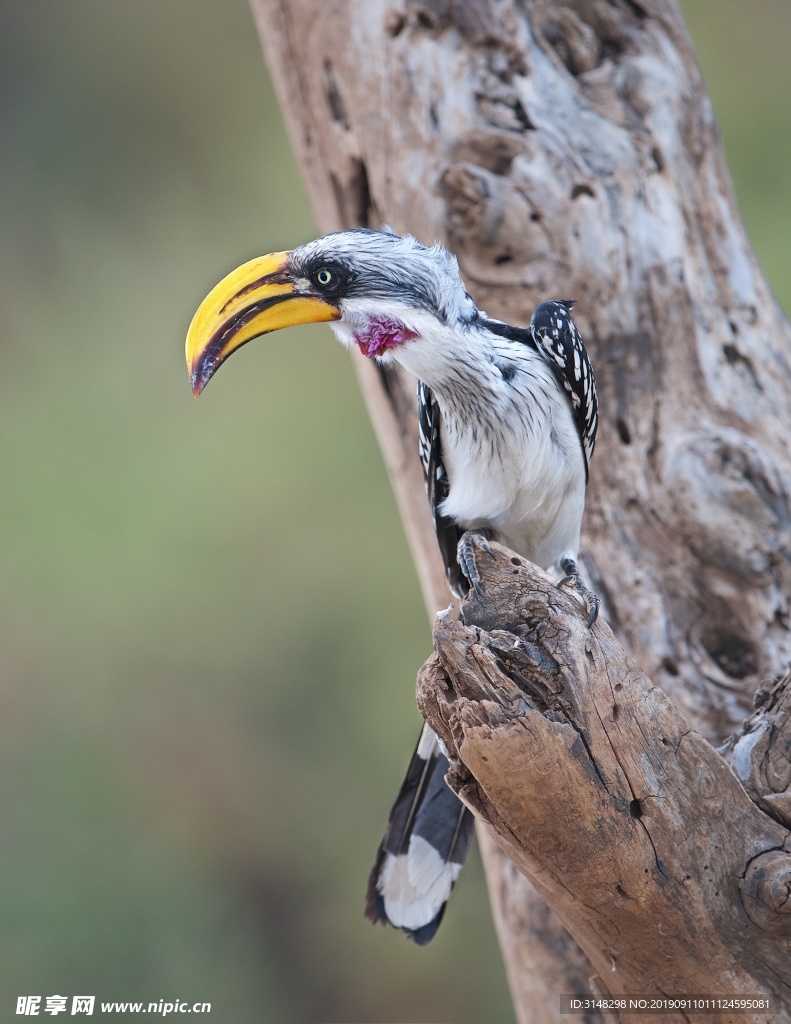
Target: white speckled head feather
column 385, row 266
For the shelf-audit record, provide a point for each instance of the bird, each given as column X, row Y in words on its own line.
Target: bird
column 507, row 420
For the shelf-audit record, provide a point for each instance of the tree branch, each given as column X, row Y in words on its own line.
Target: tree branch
column 631, row 826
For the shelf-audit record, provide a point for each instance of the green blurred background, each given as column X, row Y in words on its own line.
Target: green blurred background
column 210, row 621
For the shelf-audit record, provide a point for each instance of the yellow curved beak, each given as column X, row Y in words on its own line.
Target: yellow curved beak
column 255, row 299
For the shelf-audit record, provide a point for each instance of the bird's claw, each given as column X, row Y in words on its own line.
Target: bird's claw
column 592, row 603
column 465, row 553
column 483, row 540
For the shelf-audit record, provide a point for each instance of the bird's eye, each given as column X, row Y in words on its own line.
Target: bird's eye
column 324, row 277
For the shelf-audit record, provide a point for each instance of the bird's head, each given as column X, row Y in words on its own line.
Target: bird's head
column 380, row 291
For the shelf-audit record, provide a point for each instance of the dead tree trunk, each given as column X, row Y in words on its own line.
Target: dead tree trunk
column 569, row 149
column 629, row 823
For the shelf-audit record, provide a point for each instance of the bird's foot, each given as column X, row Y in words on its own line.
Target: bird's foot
column 465, row 553
column 569, row 567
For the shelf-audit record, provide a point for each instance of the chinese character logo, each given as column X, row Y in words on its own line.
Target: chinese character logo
column 28, row 1005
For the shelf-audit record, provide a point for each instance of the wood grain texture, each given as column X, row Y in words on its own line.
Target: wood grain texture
column 569, row 150
column 632, row 826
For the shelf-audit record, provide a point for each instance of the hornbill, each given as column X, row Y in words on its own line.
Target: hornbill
column 507, row 419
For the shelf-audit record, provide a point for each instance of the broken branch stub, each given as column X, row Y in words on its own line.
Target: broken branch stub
column 633, row 828
column 760, row 753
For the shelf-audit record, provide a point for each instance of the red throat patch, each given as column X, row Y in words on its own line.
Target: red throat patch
column 380, row 334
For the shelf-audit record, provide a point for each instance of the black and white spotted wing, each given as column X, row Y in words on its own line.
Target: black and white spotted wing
column 437, row 486
column 557, row 339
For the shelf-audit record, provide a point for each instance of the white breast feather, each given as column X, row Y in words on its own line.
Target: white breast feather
column 531, row 489
column 529, row 484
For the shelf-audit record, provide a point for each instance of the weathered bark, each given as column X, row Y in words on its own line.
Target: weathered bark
column 629, row 823
column 570, row 150
column 761, row 753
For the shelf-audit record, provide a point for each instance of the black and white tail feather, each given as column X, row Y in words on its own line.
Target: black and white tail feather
column 423, row 850
column 429, row 830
